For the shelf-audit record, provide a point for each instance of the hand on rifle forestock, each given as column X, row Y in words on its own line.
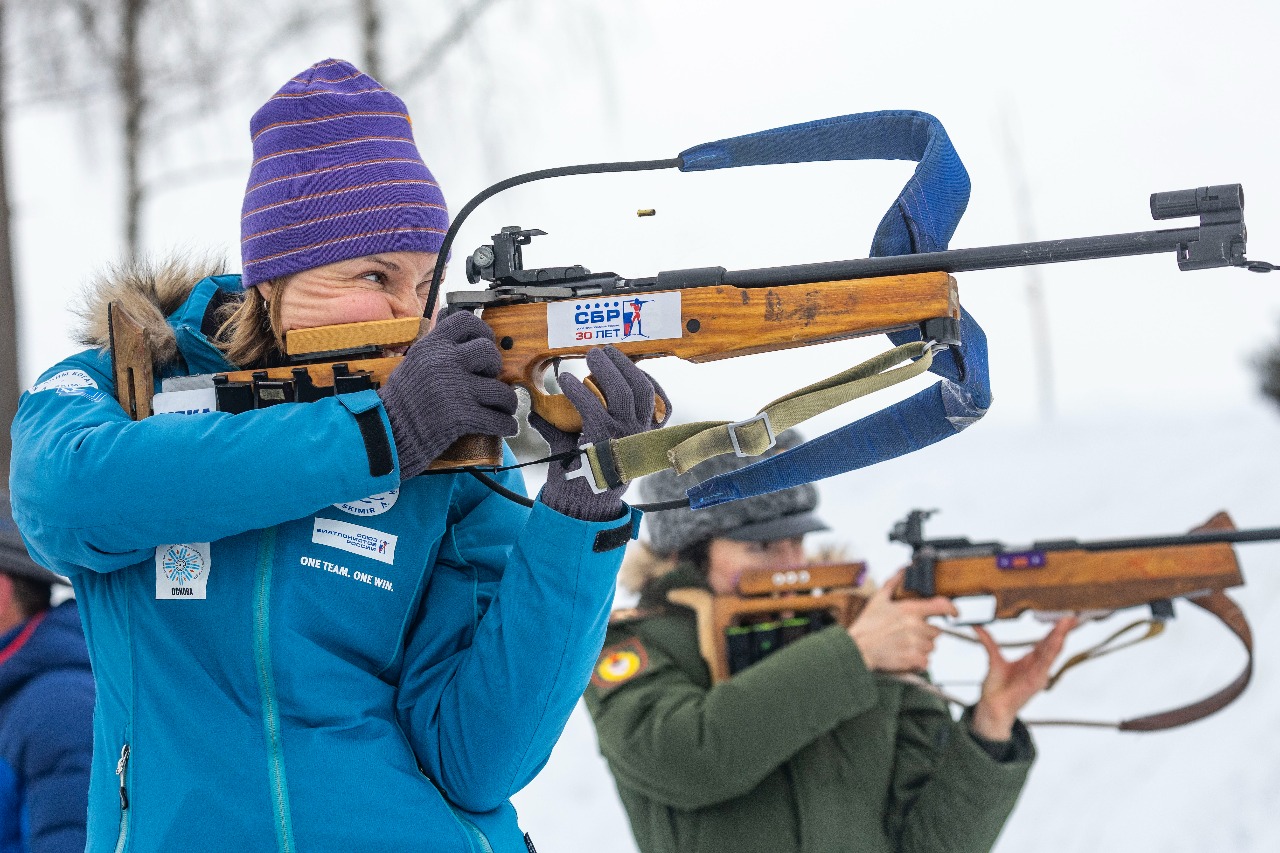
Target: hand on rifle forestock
column 1009, row 685
column 894, row 636
column 447, row 387
column 624, row 405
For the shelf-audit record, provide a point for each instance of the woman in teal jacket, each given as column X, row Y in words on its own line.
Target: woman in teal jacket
column 298, row 645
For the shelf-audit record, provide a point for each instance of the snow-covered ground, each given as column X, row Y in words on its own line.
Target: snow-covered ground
column 1156, row 429
column 1208, row 786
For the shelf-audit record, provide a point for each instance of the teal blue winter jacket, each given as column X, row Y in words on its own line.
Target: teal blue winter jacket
column 292, row 651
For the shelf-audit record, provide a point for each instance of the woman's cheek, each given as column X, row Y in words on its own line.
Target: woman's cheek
column 361, row 308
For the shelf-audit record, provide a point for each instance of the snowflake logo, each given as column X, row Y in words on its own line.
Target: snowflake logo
column 182, row 564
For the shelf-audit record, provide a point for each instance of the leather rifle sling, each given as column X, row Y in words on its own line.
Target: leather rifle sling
column 1219, row 604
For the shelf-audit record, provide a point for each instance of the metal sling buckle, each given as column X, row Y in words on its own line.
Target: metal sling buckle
column 763, row 418
column 585, row 473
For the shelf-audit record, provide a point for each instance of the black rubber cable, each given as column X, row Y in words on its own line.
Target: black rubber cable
column 660, row 506
column 528, row 177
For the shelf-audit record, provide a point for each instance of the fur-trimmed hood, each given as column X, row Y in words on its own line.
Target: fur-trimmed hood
column 641, row 564
column 148, row 291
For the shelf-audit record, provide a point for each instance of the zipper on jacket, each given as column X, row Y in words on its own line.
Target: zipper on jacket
column 266, row 683
column 122, row 767
column 472, row 830
column 469, row 829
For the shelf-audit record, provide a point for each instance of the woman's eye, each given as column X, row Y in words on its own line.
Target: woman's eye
column 376, row 277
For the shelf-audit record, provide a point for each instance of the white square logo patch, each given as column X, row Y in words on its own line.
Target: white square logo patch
column 600, row 320
column 193, row 401
column 354, row 539
column 182, row 571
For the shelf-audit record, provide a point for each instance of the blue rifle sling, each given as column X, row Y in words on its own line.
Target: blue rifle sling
column 922, row 219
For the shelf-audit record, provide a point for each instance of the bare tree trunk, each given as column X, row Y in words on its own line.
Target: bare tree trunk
column 433, row 56
column 371, row 36
column 1041, row 344
column 9, row 378
column 133, row 106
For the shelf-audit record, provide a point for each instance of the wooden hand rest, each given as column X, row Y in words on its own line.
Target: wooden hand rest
column 715, row 321
column 387, row 334
column 763, row 595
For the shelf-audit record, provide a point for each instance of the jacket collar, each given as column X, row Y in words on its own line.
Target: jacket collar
column 683, row 575
column 200, row 354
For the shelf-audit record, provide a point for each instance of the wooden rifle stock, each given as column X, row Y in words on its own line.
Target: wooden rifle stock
column 1075, row 579
column 836, row 590
column 329, row 342
column 722, row 321
column 717, row 321
column 1081, row 577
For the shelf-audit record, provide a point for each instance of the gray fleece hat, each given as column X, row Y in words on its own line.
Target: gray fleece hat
column 14, row 559
column 762, row 518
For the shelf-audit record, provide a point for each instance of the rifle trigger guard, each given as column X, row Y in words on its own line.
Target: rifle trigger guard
column 762, row 418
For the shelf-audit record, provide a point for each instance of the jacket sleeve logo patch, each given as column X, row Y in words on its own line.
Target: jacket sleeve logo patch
column 67, row 381
column 354, row 539
column 372, row 505
column 620, row 663
column 182, row 571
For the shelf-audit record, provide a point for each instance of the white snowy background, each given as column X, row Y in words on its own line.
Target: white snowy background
column 1155, row 421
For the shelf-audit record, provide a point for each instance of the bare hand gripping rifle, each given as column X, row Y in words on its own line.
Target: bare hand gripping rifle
column 906, row 290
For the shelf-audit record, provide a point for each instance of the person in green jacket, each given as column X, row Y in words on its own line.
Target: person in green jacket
column 813, row 748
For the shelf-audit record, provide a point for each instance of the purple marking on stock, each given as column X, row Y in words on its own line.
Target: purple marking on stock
column 1021, row 560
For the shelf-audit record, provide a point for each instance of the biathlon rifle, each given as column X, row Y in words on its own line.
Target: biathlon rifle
column 705, row 314
column 542, row 315
column 1070, row 576
column 772, row 608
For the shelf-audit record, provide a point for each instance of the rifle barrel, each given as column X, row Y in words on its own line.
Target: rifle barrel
column 967, row 260
column 1261, row 534
column 950, row 261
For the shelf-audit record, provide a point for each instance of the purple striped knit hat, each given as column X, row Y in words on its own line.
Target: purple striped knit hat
column 336, row 175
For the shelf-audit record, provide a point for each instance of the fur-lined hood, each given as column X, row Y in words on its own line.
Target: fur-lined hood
column 148, row 292
column 641, row 565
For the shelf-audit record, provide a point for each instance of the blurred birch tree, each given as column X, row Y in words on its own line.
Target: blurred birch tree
column 111, row 59
column 8, row 287
column 151, row 70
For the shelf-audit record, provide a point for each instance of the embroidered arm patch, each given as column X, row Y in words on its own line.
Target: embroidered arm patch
column 620, row 663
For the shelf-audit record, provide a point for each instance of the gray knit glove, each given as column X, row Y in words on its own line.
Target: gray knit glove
column 446, row 388
column 629, row 393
